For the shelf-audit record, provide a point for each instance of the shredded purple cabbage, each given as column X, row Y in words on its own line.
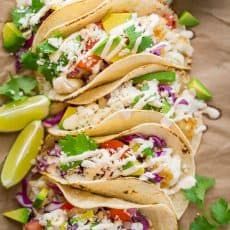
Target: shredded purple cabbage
column 72, row 227
column 138, row 217
column 41, row 164
column 56, row 151
column 168, row 89
column 28, row 43
column 52, row 121
column 158, row 142
column 154, row 177
column 22, row 197
column 53, row 205
column 157, row 50
column 183, row 102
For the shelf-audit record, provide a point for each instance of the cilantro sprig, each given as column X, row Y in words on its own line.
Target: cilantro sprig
column 18, row 87
column 219, row 212
column 77, row 145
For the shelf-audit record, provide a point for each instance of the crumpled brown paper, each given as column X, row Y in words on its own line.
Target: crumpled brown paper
column 211, row 64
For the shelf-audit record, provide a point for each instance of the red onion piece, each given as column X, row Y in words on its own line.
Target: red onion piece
column 52, row 121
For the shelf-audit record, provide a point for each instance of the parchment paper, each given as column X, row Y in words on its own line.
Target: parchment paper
column 211, row 64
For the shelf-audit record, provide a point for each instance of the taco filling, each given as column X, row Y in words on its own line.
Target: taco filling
column 167, row 92
column 72, row 62
column 48, row 209
column 145, row 157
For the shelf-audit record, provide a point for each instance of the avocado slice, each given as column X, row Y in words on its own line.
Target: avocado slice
column 40, row 198
column 187, row 19
column 20, row 215
column 113, row 20
column 139, row 172
column 69, row 112
column 201, row 91
column 12, row 37
column 100, row 47
column 162, row 77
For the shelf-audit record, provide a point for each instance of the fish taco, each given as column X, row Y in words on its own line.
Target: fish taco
column 107, row 47
column 147, row 153
column 46, row 205
column 151, row 93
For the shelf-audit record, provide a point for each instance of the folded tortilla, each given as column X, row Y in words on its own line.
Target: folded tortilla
column 143, row 95
column 103, row 44
column 155, row 154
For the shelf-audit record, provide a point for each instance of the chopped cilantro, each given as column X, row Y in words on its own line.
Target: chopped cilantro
column 37, row 5
column 45, row 48
column 148, row 152
column 18, row 87
column 63, row 60
column 17, row 14
column 68, row 166
column 77, row 145
column 165, row 107
column 220, row 211
column 150, row 107
column 196, row 194
column 135, row 100
column 29, row 60
column 146, row 42
column 79, row 38
column 132, row 36
column 145, row 87
column 49, row 70
column 128, row 165
column 201, row 223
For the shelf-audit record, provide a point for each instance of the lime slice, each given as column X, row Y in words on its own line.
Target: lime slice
column 12, row 37
column 187, row 19
column 20, row 215
column 16, row 115
column 23, row 151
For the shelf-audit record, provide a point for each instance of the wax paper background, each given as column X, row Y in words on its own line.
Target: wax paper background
column 211, row 64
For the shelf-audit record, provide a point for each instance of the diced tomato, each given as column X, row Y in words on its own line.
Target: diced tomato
column 67, row 206
column 33, row 225
column 171, row 22
column 119, row 214
column 90, row 44
column 88, row 63
column 112, row 144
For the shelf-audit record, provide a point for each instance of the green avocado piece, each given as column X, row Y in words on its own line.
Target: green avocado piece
column 20, row 215
column 201, row 91
column 162, row 77
column 187, row 19
column 40, row 198
column 12, row 37
column 100, row 47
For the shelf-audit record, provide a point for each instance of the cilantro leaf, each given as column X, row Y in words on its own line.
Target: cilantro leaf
column 197, row 193
column 17, row 14
column 136, row 99
column 201, row 223
column 132, row 36
column 148, row 152
column 128, row 165
column 45, row 48
column 29, row 60
column 77, row 145
column 146, row 42
column 165, row 107
column 49, row 70
column 18, row 87
column 37, row 5
column 220, row 211
column 70, row 165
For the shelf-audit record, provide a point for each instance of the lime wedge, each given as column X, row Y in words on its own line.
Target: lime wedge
column 23, row 151
column 12, row 37
column 187, row 19
column 201, row 91
column 20, row 215
column 16, row 115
